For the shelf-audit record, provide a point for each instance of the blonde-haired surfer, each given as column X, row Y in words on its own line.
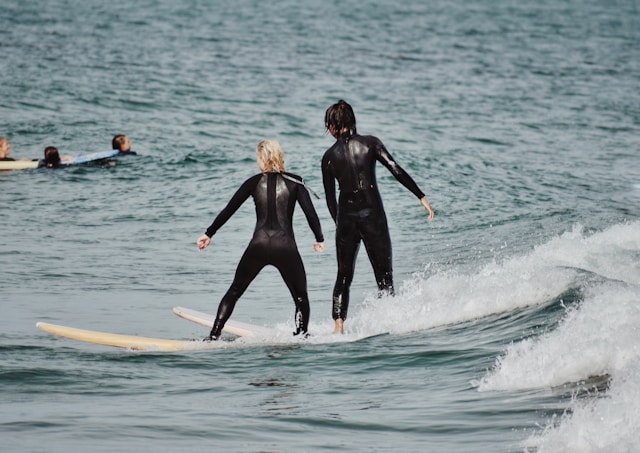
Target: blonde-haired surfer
column 275, row 194
column 5, row 149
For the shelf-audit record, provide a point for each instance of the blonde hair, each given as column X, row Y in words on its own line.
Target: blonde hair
column 4, row 147
column 270, row 156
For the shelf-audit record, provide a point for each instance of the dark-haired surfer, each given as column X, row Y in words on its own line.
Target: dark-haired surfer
column 123, row 145
column 359, row 214
column 52, row 158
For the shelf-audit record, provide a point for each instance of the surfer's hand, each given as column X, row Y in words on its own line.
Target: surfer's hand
column 428, row 207
column 318, row 247
column 203, row 242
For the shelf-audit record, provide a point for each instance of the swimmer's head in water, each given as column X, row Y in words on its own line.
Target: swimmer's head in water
column 339, row 119
column 51, row 157
column 270, row 156
column 121, row 143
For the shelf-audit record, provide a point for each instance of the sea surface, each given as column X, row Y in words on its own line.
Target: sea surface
column 516, row 324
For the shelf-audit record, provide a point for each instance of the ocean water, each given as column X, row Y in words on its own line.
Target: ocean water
column 517, row 319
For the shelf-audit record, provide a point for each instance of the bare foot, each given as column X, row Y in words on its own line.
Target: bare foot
column 339, row 326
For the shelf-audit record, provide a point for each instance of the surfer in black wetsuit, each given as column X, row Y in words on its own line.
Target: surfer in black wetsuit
column 5, row 150
column 275, row 194
column 359, row 214
column 52, row 158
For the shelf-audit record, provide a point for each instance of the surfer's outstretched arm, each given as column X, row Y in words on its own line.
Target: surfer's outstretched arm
column 428, row 207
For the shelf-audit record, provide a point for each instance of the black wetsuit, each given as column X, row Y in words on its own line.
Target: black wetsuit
column 359, row 214
column 273, row 241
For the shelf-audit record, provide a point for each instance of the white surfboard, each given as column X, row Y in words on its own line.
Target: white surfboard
column 241, row 329
column 90, row 157
column 124, row 341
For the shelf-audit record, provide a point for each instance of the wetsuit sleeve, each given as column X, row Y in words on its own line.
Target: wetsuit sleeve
column 329, row 182
column 236, row 201
column 304, row 200
column 384, row 157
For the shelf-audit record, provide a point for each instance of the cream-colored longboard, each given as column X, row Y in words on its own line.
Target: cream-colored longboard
column 123, row 341
column 241, row 329
column 18, row 164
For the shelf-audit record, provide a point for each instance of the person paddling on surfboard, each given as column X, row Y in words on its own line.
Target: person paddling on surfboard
column 5, row 150
column 275, row 194
column 52, row 158
column 359, row 214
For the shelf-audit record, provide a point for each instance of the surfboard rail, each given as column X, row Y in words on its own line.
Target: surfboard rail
column 132, row 342
column 239, row 328
column 81, row 158
column 91, row 157
column 18, row 164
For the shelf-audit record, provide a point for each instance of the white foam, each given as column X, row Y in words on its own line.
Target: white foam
column 453, row 297
column 608, row 423
column 600, row 336
column 597, row 338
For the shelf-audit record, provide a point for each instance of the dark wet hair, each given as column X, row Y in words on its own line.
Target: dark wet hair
column 118, row 141
column 51, row 156
column 340, row 116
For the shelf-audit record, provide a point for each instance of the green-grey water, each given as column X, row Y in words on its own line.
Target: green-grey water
column 515, row 323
